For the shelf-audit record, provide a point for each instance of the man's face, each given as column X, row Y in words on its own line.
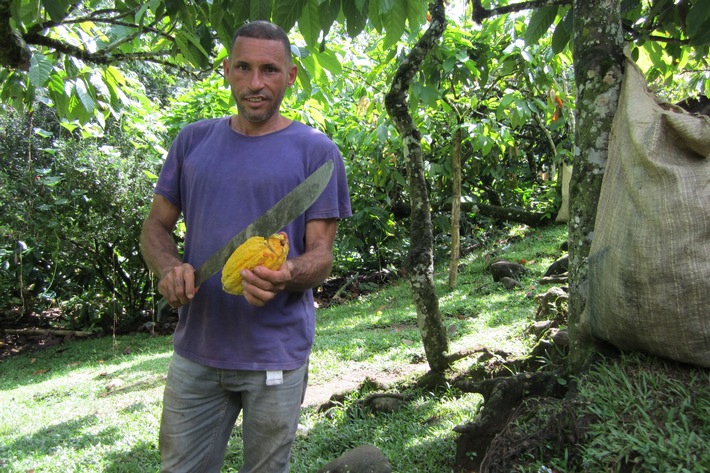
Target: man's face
column 258, row 73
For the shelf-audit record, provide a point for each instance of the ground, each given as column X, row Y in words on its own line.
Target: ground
column 350, row 380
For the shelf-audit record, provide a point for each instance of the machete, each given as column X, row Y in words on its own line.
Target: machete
column 278, row 216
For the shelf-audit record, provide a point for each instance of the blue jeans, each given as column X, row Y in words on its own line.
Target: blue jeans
column 201, row 406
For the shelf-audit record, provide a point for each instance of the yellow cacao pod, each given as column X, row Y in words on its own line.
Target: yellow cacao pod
column 256, row 251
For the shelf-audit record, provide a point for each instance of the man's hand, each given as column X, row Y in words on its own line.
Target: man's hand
column 262, row 284
column 296, row 274
column 178, row 285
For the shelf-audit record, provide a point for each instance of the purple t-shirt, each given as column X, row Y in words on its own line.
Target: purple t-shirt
column 222, row 181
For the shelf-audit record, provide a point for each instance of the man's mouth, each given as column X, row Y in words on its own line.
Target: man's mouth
column 255, row 99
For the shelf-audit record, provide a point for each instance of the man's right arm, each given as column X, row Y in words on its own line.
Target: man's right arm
column 177, row 279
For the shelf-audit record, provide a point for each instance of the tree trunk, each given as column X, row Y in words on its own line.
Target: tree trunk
column 598, row 69
column 455, row 209
column 421, row 253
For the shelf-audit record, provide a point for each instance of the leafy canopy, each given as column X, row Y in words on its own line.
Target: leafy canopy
column 67, row 54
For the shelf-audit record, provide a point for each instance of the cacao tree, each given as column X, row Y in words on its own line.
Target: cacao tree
column 420, row 263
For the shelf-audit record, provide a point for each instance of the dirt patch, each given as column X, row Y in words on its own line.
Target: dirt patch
column 351, row 379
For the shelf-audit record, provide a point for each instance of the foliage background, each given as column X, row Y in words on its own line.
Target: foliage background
column 83, row 138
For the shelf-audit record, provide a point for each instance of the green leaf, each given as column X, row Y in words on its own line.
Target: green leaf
column 43, row 133
column 303, row 81
column 382, row 133
column 698, row 22
column 259, row 10
column 313, row 67
column 52, row 181
column 56, row 9
column 629, row 5
column 40, row 69
column 394, row 22
column 85, row 97
column 329, row 11
column 355, row 18
column 507, row 100
column 286, row 12
column 330, row 62
column 174, row 7
column 225, row 17
column 190, row 47
column 539, row 23
column 563, row 32
column 151, row 176
column 309, row 23
column 373, row 15
column 416, row 13
column 57, row 92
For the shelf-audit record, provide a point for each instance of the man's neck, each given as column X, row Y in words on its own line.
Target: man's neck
column 248, row 128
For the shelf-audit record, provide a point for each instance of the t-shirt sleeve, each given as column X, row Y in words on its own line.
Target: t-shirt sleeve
column 168, row 184
column 334, row 202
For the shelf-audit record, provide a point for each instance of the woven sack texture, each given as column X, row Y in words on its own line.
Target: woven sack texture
column 649, row 263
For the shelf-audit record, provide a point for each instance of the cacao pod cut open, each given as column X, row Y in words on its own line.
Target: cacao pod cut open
column 256, row 251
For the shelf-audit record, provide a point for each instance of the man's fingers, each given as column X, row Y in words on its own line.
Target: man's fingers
column 178, row 286
column 258, row 290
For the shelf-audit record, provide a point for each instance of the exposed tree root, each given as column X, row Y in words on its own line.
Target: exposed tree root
column 501, row 397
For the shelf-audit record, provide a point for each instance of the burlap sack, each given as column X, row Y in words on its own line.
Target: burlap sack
column 649, row 263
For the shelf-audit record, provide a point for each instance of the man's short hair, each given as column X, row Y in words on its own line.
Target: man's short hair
column 260, row 29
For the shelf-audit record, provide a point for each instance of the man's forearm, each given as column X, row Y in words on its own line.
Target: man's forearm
column 158, row 248
column 310, row 269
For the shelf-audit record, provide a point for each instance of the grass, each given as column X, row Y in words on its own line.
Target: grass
column 94, row 405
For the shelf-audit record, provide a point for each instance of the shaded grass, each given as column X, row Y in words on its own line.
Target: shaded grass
column 89, row 405
column 634, row 413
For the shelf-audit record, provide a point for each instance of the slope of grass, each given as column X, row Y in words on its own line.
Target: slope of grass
column 94, row 405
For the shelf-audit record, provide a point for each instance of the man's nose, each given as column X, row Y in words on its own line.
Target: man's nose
column 256, row 80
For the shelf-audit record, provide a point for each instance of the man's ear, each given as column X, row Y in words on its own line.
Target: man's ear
column 225, row 68
column 292, row 75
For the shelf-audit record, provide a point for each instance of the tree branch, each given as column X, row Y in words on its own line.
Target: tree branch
column 480, row 13
column 420, row 258
column 15, row 53
column 102, row 57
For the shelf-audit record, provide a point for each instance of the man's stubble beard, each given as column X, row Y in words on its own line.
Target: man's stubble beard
column 245, row 113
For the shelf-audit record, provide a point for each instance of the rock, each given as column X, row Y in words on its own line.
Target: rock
column 363, row 459
column 558, row 267
column 552, row 304
column 557, row 279
column 509, row 283
column 560, row 338
column 506, row 269
column 540, row 327
column 384, row 403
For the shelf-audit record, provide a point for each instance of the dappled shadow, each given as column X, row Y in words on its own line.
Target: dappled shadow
column 143, row 457
column 398, row 436
column 76, row 434
column 27, row 370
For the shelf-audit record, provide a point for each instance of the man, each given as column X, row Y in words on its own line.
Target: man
column 241, row 354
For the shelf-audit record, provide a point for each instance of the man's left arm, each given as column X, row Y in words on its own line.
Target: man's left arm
column 298, row 274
